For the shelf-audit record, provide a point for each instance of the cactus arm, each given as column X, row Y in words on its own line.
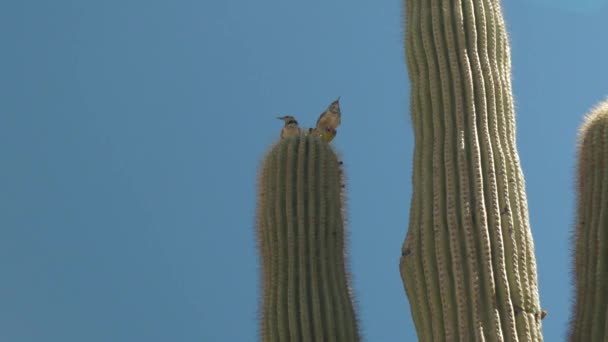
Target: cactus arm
column 469, row 238
column 300, row 231
column 589, row 321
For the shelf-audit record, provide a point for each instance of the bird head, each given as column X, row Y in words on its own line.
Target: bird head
column 334, row 107
column 288, row 119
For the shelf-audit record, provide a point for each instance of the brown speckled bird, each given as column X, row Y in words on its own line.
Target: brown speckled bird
column 291, row 128
column 328, row 121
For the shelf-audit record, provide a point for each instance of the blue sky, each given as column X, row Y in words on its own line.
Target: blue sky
column 131, row 133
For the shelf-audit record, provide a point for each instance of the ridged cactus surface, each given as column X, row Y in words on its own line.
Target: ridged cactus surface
column 467, row 263
column 589, row 319
column 300, row 227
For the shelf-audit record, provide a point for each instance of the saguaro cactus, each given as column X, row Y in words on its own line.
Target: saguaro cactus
column 300, row 229
column 589, row 318
column 467, row 263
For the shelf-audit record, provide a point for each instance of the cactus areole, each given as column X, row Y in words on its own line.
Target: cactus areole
column 467, row 263
column 300, row 228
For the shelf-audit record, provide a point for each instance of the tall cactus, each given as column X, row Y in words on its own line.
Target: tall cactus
column 589, row 319
column 300, row 227
column 467, row 263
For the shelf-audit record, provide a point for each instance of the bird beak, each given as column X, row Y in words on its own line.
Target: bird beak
column 336, row 103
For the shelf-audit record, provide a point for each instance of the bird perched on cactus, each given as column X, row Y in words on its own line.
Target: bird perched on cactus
column 291, row 128
column 329, row 121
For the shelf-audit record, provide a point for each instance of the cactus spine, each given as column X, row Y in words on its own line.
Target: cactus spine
column 467, row 263
column 300, row 229
column 589, row 319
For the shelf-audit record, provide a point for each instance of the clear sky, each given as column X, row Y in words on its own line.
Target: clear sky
column 131, row 133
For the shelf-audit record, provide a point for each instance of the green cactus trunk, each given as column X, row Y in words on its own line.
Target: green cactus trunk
column 306, row 294
column 467, row 263
column 589, row 321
